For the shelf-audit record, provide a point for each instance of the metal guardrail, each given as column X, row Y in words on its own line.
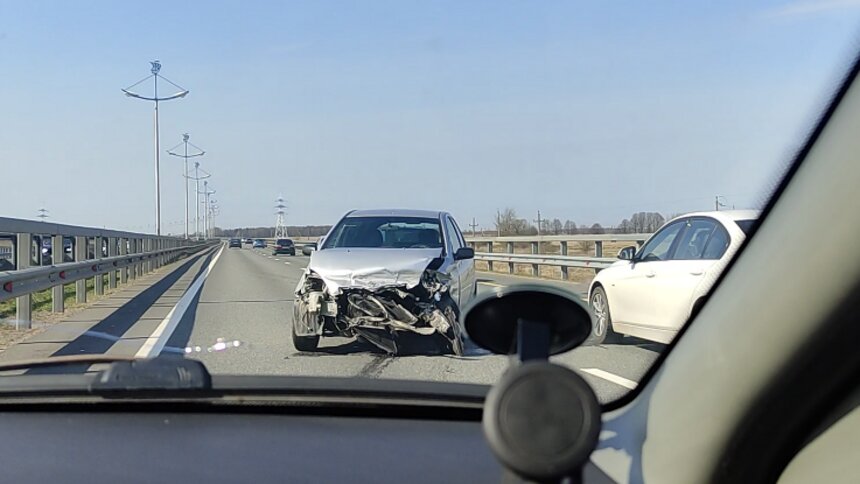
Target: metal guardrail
column 562, row 238
column 551, row 260
column 35, row 279
column 535, row 259
column 27, row 247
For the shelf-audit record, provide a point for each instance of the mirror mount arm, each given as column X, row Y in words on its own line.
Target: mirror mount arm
column 533, row 340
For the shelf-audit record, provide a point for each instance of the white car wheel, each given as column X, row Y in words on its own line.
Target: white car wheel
column 601, row 330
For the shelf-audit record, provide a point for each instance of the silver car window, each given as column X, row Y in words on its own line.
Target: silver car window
column 459, row 232
column 453, row 235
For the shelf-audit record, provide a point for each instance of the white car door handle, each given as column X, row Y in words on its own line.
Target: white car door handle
column 651, row 274
column 697, row 273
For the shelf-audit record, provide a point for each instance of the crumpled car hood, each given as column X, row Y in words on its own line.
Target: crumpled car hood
column 371, row 268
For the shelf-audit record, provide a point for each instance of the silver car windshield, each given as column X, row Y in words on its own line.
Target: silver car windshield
column 386, row 232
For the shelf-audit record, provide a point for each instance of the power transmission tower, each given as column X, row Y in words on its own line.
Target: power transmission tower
column 43, row 214
column 280, row 223
column 185, row 141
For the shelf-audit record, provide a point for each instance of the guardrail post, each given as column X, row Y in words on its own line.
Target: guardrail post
column 123, row 250
column 145, row 251
column 23, row 304
column 564, row 274
column 135, row 248
column 489, row 262
column 99, row 281
column 150, row 262
column 58, row 295
column 112, row 248
column 37, row 248
column 81, row 255
column 144, row 248
column 535, row 250
column 598, row 248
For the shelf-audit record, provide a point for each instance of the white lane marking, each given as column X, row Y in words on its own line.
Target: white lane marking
column 487, row 283
column 618, row 380
column 156, row 341
column 277, row 258
column 287, row 263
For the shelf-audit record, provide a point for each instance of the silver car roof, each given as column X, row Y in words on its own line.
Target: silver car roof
column 395, row 212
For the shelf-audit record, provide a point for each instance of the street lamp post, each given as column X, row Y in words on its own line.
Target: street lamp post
column 206, row 193
column 185, row 141
column 156, row 67
column 213, row 211
column 197, row 178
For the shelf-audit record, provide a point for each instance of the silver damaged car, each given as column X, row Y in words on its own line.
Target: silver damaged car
column 380, row 273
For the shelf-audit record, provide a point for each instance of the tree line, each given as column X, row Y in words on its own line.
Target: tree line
column 507, row 222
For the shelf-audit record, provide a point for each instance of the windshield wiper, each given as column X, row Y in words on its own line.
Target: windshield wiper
column 130, row 374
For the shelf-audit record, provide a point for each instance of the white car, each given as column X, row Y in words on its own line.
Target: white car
column 651, row 292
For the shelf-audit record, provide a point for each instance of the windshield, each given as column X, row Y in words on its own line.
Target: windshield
column 385, row 232
column 325, row 188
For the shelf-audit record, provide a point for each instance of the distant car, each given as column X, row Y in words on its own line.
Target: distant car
column 284, row 246
column 47, row 247
column 650, row 293
column 236, row 243
column 259, row 244
column 249, row 241
column 309, row 248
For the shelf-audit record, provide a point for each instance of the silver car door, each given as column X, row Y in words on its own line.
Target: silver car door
column 452, row 244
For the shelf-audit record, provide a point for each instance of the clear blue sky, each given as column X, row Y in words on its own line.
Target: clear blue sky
column 585, row 110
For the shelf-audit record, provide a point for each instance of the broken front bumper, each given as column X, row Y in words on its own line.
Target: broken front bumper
column 379, row 315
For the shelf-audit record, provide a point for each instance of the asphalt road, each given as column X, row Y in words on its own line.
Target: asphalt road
column 238, row 323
